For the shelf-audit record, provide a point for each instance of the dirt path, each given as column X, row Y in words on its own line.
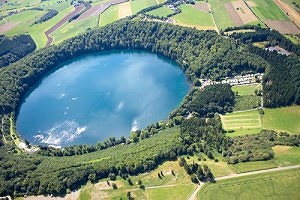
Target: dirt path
column 61, row 22
column 216, row 28
column 194, row 194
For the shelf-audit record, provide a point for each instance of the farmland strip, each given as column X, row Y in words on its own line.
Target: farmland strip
column 61, row 22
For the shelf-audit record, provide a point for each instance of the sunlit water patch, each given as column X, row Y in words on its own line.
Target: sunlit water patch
column 101, row 95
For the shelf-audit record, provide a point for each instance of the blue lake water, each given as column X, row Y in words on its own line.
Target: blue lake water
column 102, row 95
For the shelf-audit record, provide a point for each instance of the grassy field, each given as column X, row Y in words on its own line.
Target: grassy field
column 27, row 19
column 161, row 12
column 109, row 16
column 193, row 17
column 253, row 166
column 170, row 186
column 282, row 119
column 220, row 168
column 287, row 155
column 241, row 121
column 267, row 9
column 221, row 17
column 275, row 185
column 246, row 89
column 74, row 28
column 137, row 5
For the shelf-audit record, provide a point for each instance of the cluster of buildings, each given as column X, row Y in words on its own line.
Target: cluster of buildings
column 237, row 80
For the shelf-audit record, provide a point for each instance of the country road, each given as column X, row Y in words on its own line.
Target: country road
column 194, row 194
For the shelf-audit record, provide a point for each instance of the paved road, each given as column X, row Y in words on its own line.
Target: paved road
column 194, row 194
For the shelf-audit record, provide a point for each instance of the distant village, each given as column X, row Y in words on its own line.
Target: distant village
column 237, row 80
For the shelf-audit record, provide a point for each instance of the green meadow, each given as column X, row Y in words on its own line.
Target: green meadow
column 283, row 185
column 220, row 15
column 193, row 17
column 285, row 119
column 161, row 12
column 267, row 9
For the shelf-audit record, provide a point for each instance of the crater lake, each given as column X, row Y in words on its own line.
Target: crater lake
column 101, row 95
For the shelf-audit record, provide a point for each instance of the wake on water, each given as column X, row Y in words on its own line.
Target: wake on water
column 61, row 133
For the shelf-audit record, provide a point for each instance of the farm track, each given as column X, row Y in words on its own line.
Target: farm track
column 61, row 22
column 194, row 194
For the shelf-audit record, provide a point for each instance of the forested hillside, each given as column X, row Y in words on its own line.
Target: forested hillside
column 201, row 54
column 13, row 49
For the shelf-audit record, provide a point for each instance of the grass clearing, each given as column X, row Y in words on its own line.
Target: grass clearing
column 219, row 169
column 161, row 12
column 246, row 102
column 191, row 16
column 286, row 119
column 267, row 9
column 246, row 89
column 274, row 185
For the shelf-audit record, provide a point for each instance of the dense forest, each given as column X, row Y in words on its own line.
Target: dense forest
column 281, row 82
column 201, row 54
column 13, row 49
column 207, row 101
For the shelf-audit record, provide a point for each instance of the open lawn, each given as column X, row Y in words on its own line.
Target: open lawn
column 246, row 89
column 110, row 15
column 137, row 5
column 267, row 9
column 241, row 120
column 191, row 16
column 282, row 119
column 221, row 17
column 274, row 185
column 161, row 12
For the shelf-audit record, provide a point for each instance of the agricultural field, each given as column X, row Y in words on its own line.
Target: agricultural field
column 138, row 5
column 161, row 12
column 267, row 9
column 244, row 122
column 124, row 10
column 193, row 17
column 282, row 119
column 109, row 16
column 74, row 28
column 220, row 15
column 273, row 185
